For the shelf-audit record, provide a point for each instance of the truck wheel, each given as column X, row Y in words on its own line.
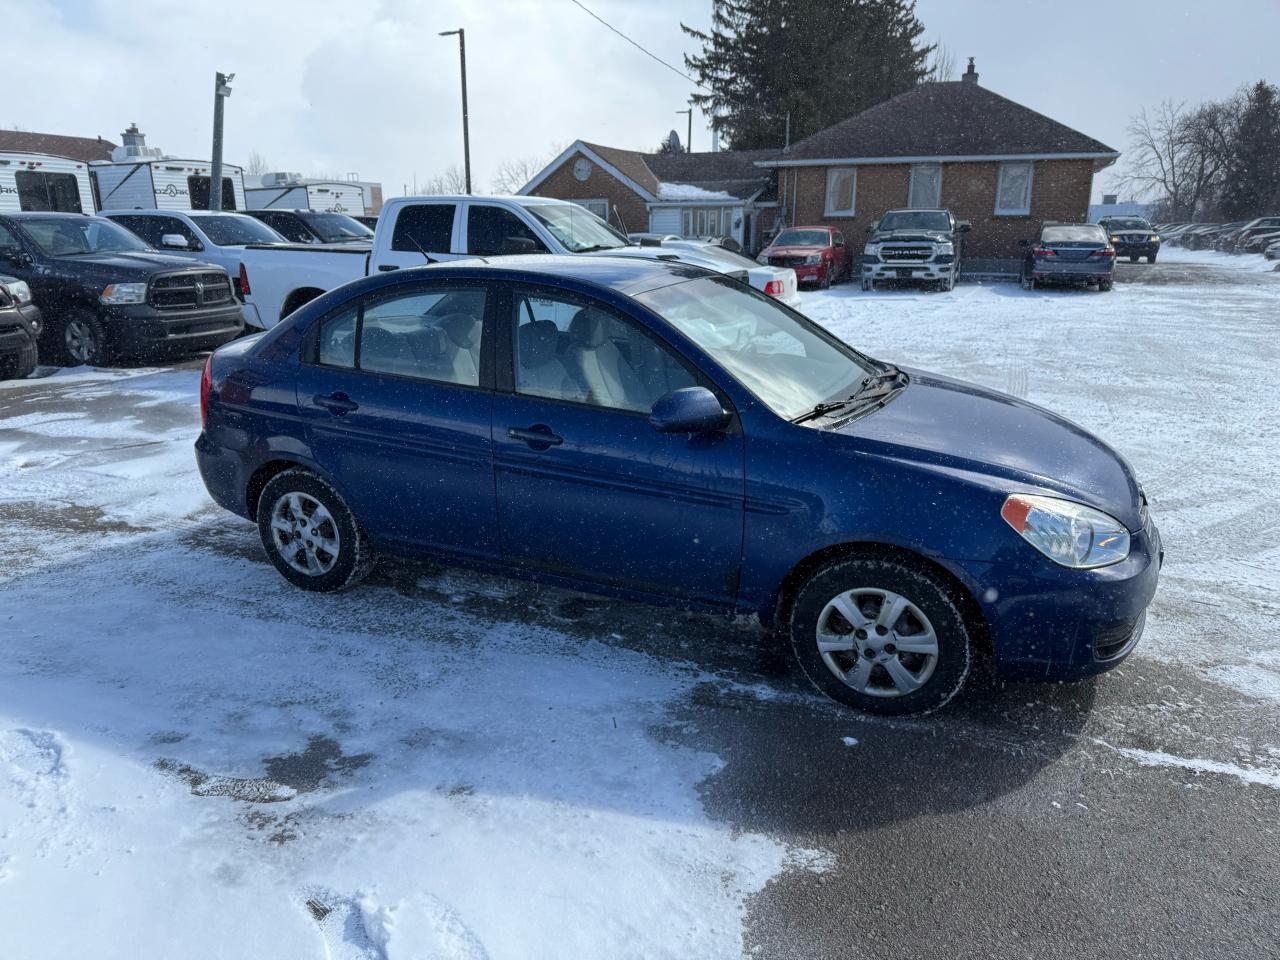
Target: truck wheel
column 309, row 533
column 1133, row 258
column 1028, row 282
column 949, row 284
column 1151, row 258
column 825, row 282
column 20, row 365
column 868, row 286
column 880, row 635
column 83, row 339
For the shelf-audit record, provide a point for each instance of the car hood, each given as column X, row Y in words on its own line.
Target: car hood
column 907, row 236
column 792, row 251
column 960, row 427
column 128, row 266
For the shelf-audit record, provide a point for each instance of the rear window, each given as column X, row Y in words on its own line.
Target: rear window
column 424, row 228
column 1074, row 233
column 234, row 231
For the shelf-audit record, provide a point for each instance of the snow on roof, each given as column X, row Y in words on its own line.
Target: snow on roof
column 687, row 191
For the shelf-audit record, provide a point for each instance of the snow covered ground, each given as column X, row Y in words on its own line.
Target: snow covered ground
column 198, row 760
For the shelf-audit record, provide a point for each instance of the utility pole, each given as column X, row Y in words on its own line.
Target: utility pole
column 688, row 142
column 221, row 90
column 466, row 134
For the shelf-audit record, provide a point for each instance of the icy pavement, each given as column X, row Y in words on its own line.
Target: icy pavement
column 198, row 760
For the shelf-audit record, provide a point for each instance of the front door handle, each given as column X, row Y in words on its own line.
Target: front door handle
column 539, row 436
column 336, row 403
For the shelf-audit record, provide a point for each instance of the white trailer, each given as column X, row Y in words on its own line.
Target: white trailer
column 41, row 182
column 166, row 183
column 329, row 196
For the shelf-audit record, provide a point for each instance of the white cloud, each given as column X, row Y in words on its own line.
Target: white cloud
column 337, row 87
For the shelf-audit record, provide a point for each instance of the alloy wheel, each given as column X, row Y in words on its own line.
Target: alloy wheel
column 877, row 642
column 305, row 534
column 80, row 341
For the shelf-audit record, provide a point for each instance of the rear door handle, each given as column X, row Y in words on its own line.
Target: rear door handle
column 539, row 436
column 387, row 267
column 336, row 403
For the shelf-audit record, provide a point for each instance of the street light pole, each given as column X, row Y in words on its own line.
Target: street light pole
column 688, row 143
column 221, row 90
column 466, row 133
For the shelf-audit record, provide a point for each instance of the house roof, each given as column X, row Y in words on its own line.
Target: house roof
column 76, row 148
column 629, row 162
column 955, row 119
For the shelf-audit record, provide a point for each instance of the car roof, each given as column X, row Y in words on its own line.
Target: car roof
column 152, row 212
column 522, row 201
column 628, row 275
column 33, row 214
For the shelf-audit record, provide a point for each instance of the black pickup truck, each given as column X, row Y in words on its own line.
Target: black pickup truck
column 19, row 329
column 106, row 294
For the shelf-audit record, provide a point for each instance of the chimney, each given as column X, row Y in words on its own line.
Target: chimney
column 970, row 75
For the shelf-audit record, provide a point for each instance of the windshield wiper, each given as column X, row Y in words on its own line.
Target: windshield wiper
column 875, row 387
column 601, row 246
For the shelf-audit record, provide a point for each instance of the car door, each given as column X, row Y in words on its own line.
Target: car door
column 586, row 487
column 289, row 226
column 395, row 389
column 495, row 231
column 420, row 232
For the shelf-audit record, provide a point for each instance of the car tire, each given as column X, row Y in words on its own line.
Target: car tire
column 847, row 599
column 82, row 339
column 1151, row 259
column 825, row 282
column 297, row 505
column 1105, row 286
column 868, row 286
column 1133, row 258
column 20, row 365
column 1028, row 282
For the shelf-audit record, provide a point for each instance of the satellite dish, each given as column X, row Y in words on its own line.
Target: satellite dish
column 673, row 141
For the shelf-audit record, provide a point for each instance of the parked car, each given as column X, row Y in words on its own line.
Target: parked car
column 653, row 431
column 818, row 255
column 1209, row 234
column 777, row 282
column 915, row 246
column 1273, row 251
column 416, row 230
column 1259, row 242
column 313, row 226
column 370, row 222
column 19, row 329
column 104, row 293
column 205, row 235
column 1070, row 253
column 1235, row 241
column 1132, row 237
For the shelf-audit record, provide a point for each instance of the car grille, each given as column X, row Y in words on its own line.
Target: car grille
column 1118, row 640
column 189, row 291
column 1133, row 238
column 786, row 261
column 897, row 254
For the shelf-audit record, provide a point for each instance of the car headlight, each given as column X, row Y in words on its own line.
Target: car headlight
column 1114, row 239
column 872, row 248
column 124, row 293
column 19, row 291
column 946, row 248
column 813, row 258
column 762, row 259
column 1154, row 238
column 1067, row 532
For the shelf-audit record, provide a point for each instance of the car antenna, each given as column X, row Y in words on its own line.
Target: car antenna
column 425, row 256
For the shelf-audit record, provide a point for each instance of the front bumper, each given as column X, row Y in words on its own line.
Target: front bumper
column 1049, row 622
column 1136, row 249
column 19, row 328
column 141, row 330
column 910, row 270
column 812, row 272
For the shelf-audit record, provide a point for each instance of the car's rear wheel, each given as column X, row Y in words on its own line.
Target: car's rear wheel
column 310, row 534
column 881, row 635
column 1151, row 258
column 83, row 340
column 1028, row 282
column 1105, row 285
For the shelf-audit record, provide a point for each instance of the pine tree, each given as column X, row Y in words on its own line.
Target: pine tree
column 818, row 60
column 1251, row 186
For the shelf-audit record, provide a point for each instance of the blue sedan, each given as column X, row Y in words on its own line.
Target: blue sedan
column 653, row 431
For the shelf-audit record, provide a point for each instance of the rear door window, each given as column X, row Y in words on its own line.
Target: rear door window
column 424, row 228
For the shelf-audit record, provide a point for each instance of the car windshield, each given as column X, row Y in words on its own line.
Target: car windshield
column 784, row 360
column 577, row 228
column 802, row 238
column 712, row 251
column 1127, row 223
column 915, row 220
column 235, row 231
column 76, row 236
column 1074, row 233
column 336, row 227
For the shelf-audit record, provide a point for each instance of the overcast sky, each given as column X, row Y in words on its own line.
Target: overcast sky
column 367, row 86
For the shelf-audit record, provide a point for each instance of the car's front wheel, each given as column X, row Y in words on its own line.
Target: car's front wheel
column 310, row 534
column 21, row 364
column 83, row 339
column 881, row 635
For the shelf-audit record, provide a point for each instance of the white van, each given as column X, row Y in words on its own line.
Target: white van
column 166, row 183
column 41, row 182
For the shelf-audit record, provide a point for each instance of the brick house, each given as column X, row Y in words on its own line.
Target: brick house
column 723, row 193
column 1000, row 165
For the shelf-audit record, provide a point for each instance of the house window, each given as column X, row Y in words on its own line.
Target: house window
column 842, row 185
column 707, row 222
column 1013, row 191
column 599, row 207
column 926, row 186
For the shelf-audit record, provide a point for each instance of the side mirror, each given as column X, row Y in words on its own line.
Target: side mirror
column 517, row 245
column 963, row 226
column 15, row 255
column 873, row 226
column 174, row 241
column 689, row 410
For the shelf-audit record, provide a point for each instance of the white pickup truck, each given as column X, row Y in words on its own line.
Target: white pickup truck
column 412, row 231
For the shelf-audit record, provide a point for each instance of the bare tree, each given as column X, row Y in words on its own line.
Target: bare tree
column 450, row 182
column 1174, row 158
column 514, row 174
column 257, row 165
column 942, row 64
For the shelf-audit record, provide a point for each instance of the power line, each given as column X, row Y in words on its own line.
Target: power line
column 638, row 47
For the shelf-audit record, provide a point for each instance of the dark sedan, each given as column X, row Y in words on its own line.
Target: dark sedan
column 1070, row 253
column 654, row 431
